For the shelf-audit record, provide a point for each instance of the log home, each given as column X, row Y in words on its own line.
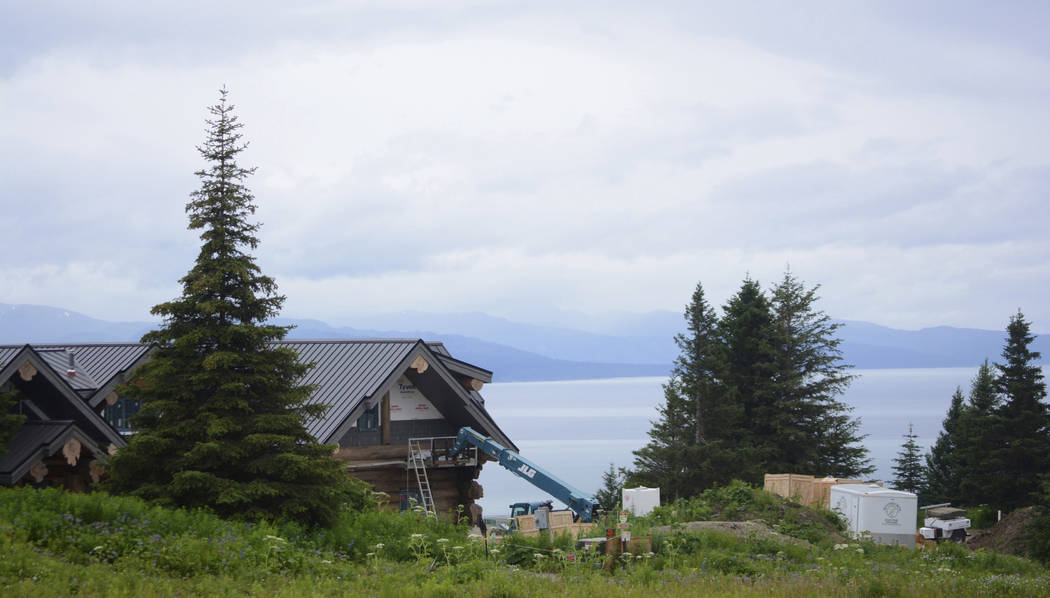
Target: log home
column 394, row 409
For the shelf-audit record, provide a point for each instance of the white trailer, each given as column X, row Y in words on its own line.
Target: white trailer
column 641, row 500
column 888, row 516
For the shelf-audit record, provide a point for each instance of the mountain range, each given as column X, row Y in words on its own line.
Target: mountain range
column 624, row 345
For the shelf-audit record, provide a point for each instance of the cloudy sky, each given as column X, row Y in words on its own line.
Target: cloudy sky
column 526, row 159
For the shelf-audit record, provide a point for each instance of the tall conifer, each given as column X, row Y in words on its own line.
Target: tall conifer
column 943, row 472
column 1022, row 452
column 753, row 433
column 976, row 439
column 222, row 424
column 683, row 455
column 821, row 437
column 907, row 465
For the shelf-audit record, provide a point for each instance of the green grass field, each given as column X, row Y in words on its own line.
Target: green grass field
column 60, row 544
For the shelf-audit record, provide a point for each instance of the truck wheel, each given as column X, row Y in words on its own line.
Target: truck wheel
column 959, row 536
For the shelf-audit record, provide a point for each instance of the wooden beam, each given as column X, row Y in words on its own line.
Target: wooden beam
column 419, row 364
column 384, row 425
column 373, row 452
column 26, row 371
column 473, row 384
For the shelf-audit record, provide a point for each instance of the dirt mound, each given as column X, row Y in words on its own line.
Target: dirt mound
column 1007, row 536
column 741, row 529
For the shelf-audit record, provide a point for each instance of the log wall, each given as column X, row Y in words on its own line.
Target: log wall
column 385, row 468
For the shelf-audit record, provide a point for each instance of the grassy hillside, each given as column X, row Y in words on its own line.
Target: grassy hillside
column 58, row 544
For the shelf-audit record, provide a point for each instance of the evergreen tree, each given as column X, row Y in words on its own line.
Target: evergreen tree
column 222, row 423
column 9, row 422
column 976, row 439
column 1022, row 452
column 753, row 424
column 664, row 461
column 907, row 465
column 609, row 495
column 819, row 435
column 943, row 473
column 684, row 455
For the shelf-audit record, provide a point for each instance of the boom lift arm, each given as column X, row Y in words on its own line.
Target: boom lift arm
column 581, row 503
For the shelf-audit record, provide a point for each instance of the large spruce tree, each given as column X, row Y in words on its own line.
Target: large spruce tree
column 819, row 435
column 976, row 439
column 753, row 392
column 756, row 426
column 685, row 452
column 943, row 471
column 1021, row 456
column 222, row 423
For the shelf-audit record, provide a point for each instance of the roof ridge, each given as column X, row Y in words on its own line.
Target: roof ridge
column 50, row 346
column 350, row 340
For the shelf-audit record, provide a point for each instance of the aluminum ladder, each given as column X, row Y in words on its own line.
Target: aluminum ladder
column 419, row 465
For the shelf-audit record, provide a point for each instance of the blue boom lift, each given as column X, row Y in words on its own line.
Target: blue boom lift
column 581, row 503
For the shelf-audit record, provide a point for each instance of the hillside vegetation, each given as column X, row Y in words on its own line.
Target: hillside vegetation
column 57, row 544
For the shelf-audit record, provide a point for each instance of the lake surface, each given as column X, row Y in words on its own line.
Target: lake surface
column 575, row 429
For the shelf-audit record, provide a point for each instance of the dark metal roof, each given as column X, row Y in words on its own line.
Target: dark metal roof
column 96, row 364
column 80, row 409
column 346, row 372
column 36, row 440
column 64, row 361
column 30, row 437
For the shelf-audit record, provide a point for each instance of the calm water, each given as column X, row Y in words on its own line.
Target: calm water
column 575, row 429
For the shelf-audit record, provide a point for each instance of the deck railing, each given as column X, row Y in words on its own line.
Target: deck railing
column 435, row 452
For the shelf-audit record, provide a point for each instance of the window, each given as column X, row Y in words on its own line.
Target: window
column 408, row 500
column 119, row 414
column 369, row 420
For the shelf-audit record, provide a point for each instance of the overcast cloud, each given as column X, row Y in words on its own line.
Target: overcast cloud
column 523, row 158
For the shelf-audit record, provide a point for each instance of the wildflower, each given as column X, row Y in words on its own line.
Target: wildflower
column 860, row 550
column 416, row 536
column 494, row 551
column 96, row 549
column 473, row 536
column 538, row 556
column 326, row 562
column 841, row 546
column 650, row 555
column 442, row 540
column 273, row 538
column 370, row 554
column 457, row 548
column 379, row 546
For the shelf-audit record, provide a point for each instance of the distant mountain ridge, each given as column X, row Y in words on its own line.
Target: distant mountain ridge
column 632, row 345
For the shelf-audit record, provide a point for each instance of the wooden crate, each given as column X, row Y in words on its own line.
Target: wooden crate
column 822, row 489
column 560, row 522
column 526, row 526
column 792, row 485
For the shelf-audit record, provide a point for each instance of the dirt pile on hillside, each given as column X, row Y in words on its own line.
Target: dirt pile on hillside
column 740, row 529
column 1007, row 536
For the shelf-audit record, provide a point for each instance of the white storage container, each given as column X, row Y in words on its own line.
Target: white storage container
column 641, row 501
column 889, row 516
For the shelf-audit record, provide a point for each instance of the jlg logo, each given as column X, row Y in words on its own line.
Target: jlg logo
column 527, row 471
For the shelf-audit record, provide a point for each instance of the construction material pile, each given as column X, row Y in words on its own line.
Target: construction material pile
column 1007, row 536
